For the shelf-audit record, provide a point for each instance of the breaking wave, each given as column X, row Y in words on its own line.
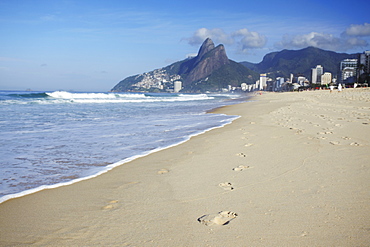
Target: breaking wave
column 58, row 97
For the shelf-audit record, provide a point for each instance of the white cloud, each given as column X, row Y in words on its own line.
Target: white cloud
column 216, row 34
column 358, row 30
column 321, row 40
column 244, row 38
column 249, row 40
column 352, row 42
column 190, row 55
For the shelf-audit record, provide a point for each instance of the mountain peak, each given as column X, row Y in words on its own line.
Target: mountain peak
column 209, row 59
column 207, row 46
column 210, row 70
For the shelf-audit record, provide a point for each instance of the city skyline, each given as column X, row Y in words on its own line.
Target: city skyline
column 91, row 45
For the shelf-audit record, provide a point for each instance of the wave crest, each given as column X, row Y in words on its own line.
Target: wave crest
column 59, row 97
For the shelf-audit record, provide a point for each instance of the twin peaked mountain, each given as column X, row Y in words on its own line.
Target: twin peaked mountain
column 211, row 70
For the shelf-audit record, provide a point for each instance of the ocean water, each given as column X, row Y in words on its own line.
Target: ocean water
column 50, row 139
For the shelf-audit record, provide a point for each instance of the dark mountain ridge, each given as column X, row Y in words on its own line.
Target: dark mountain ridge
column 211, row 70
column 285, row 62
column 208, row 60
column 205, row 72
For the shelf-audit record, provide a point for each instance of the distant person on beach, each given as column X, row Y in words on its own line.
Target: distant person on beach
column 331, row 87
column 339, row 88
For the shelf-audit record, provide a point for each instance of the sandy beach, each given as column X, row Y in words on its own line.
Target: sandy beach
column 293, row 170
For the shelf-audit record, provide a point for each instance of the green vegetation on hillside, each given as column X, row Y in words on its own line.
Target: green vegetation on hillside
column 296, row 62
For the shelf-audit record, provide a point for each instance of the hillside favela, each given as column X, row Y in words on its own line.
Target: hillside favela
column 287, row 70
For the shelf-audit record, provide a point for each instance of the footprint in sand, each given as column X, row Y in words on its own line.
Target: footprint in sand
column 240, row 168
column 248, row 144
column 226, row 186
column 110, row 205
column 304, row 234
column 325, row 133
column 334, row 143
column 241, row 155
column 355, row 144
column 222, row 218
column 299, row 131
column 163, row 171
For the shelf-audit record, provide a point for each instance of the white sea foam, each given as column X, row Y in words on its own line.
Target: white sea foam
column 111, row 166
column 123, row 97
column 68, row 95
column 47, row 140
column 59, row 97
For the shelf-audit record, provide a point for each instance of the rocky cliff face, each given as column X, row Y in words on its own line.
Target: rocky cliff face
column 209, row 59
column 206, row 47
column 191, row 72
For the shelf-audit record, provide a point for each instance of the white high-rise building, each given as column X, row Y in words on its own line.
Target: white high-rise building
column 319, row 71
column 244, row 86
column 316, row 74
column 177, row 86
column 365, row 62
column 263, row 81
column 326, row 78
column 278, row 83
column 348, row 69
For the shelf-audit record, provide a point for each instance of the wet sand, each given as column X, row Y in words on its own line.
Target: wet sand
column 293, row 170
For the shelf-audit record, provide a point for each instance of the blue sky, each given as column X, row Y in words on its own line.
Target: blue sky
column 89, row 45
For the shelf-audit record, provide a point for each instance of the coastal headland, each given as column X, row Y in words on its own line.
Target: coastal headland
column 293, row 170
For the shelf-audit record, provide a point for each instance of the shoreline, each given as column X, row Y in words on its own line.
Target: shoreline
column 292, row 170
column 111, row 166
column 108, row 167
column 246, row 98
